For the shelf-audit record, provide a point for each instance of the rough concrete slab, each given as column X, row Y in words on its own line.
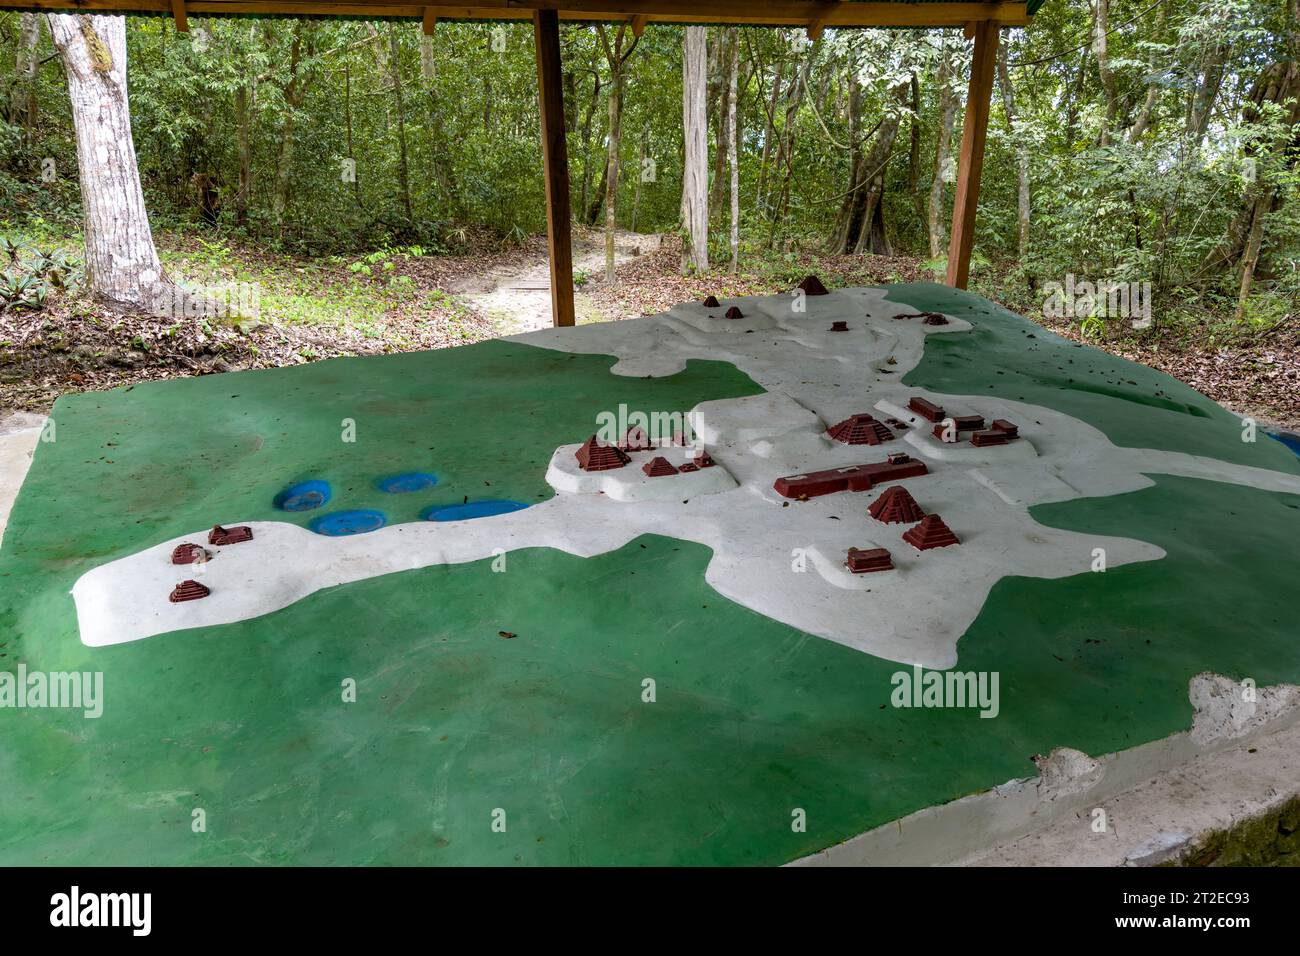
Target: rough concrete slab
column 1169, row 818
column 19, row 433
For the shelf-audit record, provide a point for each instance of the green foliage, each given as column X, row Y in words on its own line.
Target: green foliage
column 28, row 275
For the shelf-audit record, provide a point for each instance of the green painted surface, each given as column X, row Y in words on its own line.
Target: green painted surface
column 1135, row 406
column 752, row 718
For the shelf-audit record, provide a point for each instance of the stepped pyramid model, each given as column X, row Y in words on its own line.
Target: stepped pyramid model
column 896, row 506
column 658, row 466
column 930, row 533
column 812, row 285
column 593, row 456
column 860, row 429
column 188, row 590
column 635, row 440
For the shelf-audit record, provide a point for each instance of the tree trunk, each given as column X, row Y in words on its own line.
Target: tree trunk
column 243, row 109
column 1100, row 31
column 769, row 134
column 640, row 176
column 695, row 169
column 1022, row 156
column 22, row 100
column 612, row 170
column 122, row 266
column 403, row 167
column 947, row 118
column 733, row 145
column 864, row 229
column 295, row 91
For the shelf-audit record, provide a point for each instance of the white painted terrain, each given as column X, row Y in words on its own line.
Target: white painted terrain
column 781, row 558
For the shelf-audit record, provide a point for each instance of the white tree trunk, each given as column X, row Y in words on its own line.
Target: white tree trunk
column 733, row 146
column 122, row 265
column 695, row 172
column 942, row 150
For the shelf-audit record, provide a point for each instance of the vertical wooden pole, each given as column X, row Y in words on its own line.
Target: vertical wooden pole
column 970, row 164
column 555, row 158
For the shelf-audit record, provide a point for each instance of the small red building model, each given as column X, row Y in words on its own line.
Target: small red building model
column 711, row 302
column 593, row 456
column 927, row 409
column 839, row 326
column 852, row 478
column 658, row 467
column 703, row 460
column 989, row 436
column 733, row 313
column 864, row 560
column 1010, row 429
column 222, row 536
column 896, row 506
column 188, row 591
column 860, row 429
column 930, row 533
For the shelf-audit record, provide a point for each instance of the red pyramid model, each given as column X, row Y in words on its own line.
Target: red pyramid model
column 188, row 590
column 711, row 302
column 896, row 506
column 812, row 285
column 635, row 440
column 930, row 533
column 593, row 456
column 860, row 429
column 658, row 467
column 733, row 313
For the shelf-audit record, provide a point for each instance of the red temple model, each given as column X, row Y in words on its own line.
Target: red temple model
column 812, row 285
column 733, row 313
column 852, row 478
column 593, row 456
column 711, row 302
column 188, row 591
column 839, row 326
column 896, row 506
column 635, row 440
column 927, row 409
column 863, row 560
column 930, row 533
column 703, row 460
column 860, row 429
column 1011, row 430
column 658, row 467
column 188, row 554
column 221, row 536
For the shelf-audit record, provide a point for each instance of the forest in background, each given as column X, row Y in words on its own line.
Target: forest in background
column 1131, row 140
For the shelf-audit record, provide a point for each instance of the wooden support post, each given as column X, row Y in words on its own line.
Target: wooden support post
column 555, row 161
column 178, row 14
column 638, row 26
column 970, row 164
column 430, row 20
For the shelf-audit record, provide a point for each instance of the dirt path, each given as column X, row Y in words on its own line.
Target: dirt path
column 519, row 299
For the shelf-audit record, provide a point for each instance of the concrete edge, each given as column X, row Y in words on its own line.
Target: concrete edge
column 969, row 827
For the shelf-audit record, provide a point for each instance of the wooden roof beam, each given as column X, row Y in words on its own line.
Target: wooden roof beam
column 791, row 13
